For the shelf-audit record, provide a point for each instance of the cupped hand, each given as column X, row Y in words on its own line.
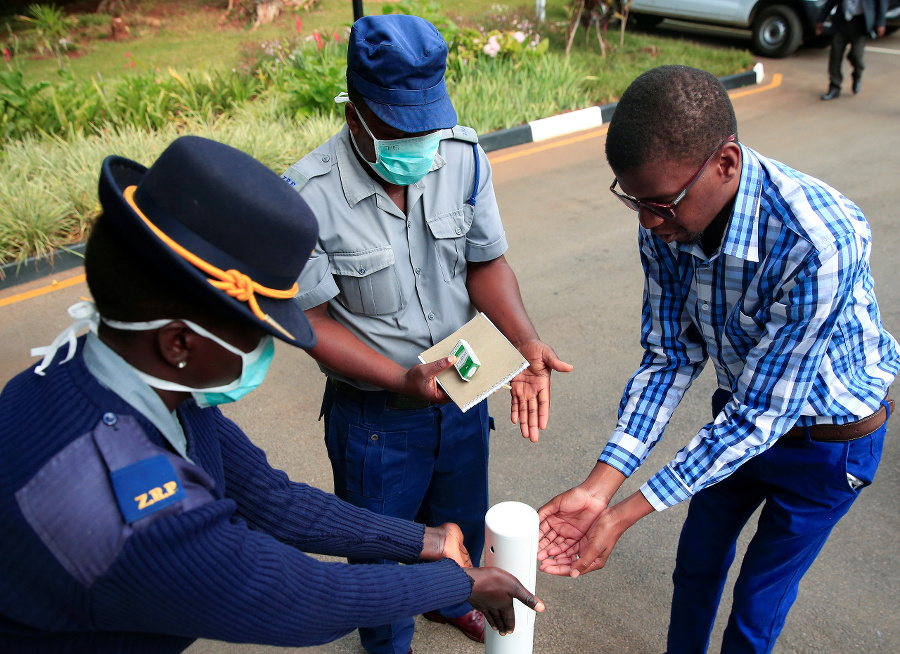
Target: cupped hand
column 564, row 524
column 590, row 552
column 493, row 593
column 563, row 551
column 530, row 405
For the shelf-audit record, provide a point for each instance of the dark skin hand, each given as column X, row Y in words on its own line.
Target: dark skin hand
column 579, row 529
column 493, row 590
column 339, row 349
column 493, row 594
column 445, row 542
column 493, row 288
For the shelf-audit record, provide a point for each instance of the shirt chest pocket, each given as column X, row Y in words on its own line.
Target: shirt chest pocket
column 743, row 330
column 449, row 231
column 367, row 281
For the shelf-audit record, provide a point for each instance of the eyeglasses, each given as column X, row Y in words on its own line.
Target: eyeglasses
column 665, row 211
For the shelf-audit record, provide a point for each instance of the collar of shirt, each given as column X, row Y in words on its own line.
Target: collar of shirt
column 117, row 375
column 741, row 238
column 355, row 180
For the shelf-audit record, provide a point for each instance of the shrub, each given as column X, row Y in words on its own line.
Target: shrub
column 51, row 30
column 306, row 73
column 277, row 104
column 501, row 93
column 147, row 99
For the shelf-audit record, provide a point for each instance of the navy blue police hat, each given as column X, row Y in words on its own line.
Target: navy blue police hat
column 220, row 223
column 397, row 63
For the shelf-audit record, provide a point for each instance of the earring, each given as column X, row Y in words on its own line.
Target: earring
column 181, row 364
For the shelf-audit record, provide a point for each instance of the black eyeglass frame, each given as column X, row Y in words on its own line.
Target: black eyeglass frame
column 666, row 211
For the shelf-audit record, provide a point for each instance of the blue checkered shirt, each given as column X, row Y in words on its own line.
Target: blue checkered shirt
column 785, row 309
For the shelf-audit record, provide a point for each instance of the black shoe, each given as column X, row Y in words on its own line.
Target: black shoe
column 832, row 94
column 856, row 83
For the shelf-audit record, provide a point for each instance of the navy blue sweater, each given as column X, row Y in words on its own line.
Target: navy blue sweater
column 222, row 559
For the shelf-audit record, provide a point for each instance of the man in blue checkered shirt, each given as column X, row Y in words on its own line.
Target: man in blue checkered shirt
column 764, row 271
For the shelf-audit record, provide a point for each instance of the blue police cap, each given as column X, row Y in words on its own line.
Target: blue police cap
column 397, row 63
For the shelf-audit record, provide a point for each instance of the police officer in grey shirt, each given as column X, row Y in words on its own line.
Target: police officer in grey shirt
column 410, row 247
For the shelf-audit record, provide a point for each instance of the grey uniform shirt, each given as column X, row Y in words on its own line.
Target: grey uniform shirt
column 397, row 282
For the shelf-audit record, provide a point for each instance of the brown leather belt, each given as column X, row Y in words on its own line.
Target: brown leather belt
column 847, row 432
column 394, row 401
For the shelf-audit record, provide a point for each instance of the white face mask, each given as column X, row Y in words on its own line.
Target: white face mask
column 254, row 365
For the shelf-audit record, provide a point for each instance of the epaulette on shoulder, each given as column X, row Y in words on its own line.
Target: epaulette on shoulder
column 463, row 133
column 312, row 165
column 295, row 178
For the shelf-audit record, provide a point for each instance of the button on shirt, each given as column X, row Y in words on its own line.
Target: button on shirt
column 786, row 311
column 118, row 376
column 397, row 282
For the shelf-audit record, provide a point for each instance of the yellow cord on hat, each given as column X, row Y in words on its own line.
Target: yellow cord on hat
column 233, row 282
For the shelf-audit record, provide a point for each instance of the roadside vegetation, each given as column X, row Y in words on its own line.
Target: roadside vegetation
column 71, row 95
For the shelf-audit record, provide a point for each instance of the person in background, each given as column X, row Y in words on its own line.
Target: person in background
column 853, row 22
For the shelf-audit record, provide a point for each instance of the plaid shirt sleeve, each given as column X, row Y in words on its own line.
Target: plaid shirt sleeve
column 674, row 355
column 802, row 311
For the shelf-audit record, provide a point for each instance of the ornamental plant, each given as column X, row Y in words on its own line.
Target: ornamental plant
column 316, row 74
column 306, row 72
column 511, row 43
column 52, row 31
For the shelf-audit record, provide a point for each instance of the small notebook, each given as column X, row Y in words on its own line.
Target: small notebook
column 500, row 362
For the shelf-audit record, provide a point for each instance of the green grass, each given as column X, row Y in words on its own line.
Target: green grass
column 536, row 89
column 39, row 212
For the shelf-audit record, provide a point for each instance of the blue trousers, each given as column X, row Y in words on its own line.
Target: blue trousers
column 804, row 489
column 429, row 465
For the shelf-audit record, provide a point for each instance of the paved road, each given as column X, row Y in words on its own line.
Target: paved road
column 573, row 247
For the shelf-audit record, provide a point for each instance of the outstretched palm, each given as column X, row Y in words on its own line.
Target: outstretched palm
column 565, row 523
column 530, row 406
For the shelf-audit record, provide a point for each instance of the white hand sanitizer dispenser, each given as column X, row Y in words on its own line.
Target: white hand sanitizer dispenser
column 511, row 542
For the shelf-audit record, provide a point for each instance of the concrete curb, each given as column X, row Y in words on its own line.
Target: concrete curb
column 533, row 132
column 583, row 119
column 39, row 267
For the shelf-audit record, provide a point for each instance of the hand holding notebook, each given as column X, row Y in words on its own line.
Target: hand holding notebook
column 499, row 362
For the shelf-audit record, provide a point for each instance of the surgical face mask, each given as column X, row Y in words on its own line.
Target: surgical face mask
column 402, row 161
column 254, row 365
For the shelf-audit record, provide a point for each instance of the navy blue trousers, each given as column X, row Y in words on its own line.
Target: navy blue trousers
column 804, row 489
column 429, row 465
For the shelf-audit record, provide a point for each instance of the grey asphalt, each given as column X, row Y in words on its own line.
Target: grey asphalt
column 573, row 247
